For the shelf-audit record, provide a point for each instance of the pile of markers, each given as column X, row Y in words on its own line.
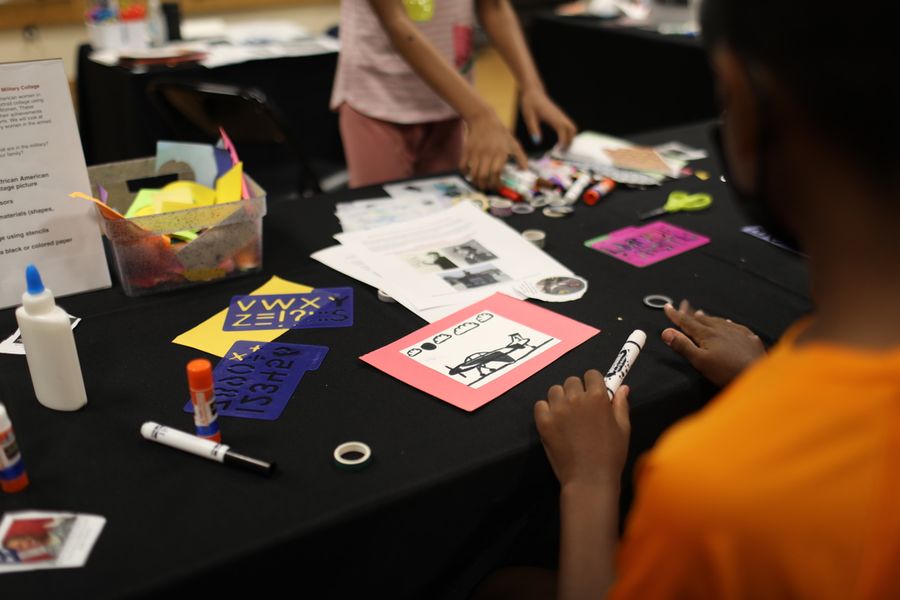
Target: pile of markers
column 552, row 185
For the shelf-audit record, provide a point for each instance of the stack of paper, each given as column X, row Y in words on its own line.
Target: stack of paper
column 438, row 263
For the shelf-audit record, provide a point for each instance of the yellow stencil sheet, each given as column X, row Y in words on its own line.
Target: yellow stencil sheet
column 209, row 337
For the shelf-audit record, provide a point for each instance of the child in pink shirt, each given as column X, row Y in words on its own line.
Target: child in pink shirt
column 406, row 104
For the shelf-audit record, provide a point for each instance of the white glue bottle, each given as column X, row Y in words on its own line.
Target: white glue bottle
column 49, row 347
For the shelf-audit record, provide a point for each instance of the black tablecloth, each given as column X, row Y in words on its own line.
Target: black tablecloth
column 621, row 80
column 445, row 486
column 118, row 122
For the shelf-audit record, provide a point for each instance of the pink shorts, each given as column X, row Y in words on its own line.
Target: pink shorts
column 380, row 151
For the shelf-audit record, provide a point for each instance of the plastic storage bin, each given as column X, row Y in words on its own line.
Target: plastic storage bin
column 150, row 260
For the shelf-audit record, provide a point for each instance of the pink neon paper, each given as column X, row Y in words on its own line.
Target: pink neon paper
column 393, row 361
column 649, row 244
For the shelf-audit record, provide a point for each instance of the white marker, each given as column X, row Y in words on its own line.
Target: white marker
column 202, row 447
column 574, row 192
column 624, row 360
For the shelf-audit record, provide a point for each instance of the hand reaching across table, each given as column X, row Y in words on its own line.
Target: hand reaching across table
column 718, row 348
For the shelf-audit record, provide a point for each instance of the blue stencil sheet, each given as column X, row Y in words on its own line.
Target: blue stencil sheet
column 256, row 380
column 323, row 307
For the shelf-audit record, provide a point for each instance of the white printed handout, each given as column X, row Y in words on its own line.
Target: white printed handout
column 33, row 540
column 342, row 260
column 377, row 212
column 449, row 259
column 41, row 162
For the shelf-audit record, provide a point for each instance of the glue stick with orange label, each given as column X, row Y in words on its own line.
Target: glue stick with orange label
column 200, row 382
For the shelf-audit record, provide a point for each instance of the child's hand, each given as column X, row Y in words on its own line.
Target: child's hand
column 585, row 434
column 488, row 146
column 536, row 107
column 716, row 347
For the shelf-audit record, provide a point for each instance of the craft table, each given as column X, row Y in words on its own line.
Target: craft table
column 446, row 487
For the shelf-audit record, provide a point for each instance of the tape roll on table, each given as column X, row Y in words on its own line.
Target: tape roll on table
column 522, row 209
column 501, row 207
column 535, row 236
column 657, row 301
column 351, row 464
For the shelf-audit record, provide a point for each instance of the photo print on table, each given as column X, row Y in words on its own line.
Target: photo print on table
column 474, row 277
column 32, row 540
column 471, row 252
column 479, row 348
column 432, row 261
column 36, row 540
column 452, row 186
column 561, row 286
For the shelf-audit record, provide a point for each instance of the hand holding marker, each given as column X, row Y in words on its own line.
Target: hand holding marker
column 624, row 360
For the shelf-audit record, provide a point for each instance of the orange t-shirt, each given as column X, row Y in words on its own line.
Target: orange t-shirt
column 786, row 486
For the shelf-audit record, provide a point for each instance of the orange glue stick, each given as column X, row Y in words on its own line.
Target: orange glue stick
column 200, row 382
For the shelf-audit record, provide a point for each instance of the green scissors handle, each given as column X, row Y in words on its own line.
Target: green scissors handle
column 679, row 201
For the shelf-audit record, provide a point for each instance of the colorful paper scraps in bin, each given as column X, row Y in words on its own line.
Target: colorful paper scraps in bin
column 256, row 381
column 321, row 308
column 643, row 246
column 184, row 195
column 186, row 231
column 209, row 336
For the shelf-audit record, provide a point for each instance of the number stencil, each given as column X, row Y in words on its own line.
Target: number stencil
column 256, row 380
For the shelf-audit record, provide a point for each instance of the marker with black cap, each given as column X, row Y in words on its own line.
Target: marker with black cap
column 207, row 449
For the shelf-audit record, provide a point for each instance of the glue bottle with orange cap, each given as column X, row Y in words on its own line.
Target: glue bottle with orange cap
column 200, row 382
column 12, row 469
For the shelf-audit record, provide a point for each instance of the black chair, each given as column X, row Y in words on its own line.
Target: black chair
column 271, row 151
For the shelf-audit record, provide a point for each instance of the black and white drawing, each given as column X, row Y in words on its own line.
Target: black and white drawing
column 480, row 348
column 483, row 364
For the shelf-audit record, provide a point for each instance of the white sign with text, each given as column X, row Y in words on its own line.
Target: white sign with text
column 41, row 162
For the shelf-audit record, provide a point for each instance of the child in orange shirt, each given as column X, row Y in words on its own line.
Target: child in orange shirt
column 786, row 485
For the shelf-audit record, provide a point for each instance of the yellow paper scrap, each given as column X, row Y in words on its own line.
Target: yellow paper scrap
column 142, row 204
column 208, row 335
column 228, row 186
column 171, row 200
column 200, row 194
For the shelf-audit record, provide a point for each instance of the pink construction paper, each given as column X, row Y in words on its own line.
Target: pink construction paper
column 649, row 244
column 392, row 360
